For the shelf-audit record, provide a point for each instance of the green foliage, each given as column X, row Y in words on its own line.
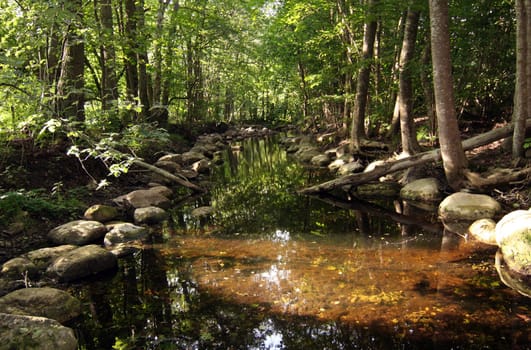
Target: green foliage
column 527, row 143
column 38, row 204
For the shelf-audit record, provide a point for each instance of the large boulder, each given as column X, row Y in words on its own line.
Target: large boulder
column 18, row 268
column 321, row 160
column 306, row 153
column 101, row 213
column 44, row 302
column 152, row 197
column 82, row 262
column 513, row 235
column 191, row 157
column 424, row 190
column 42, row 258
column 463, row 206
column 78, row 232
column 350, row 168
column 38, row 333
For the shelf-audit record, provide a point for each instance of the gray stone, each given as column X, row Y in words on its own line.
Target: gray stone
column 125, row 233
column 468, row 206
column 320, row 160
column 101, row 213
column 306, row 153
column 82, row 262
column 427, row 189
column 149, row 215
column 37, row 333
column 162, row 190
column 378, row 190
column 43, row 302
column 42, row 258
column 144, row 198
column 192, row 157
column 202, row 166
column 167, row 165
column 77, row 232
column 202, row 212
column 350, row 168
column 19, row 268
column 175, row 158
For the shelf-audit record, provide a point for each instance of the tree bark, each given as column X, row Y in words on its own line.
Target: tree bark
column 70, row 96
column 418, row 159
column 408, row 132
column 454, row 160
column 357, row 133
column 522, row 96
column 109, row 79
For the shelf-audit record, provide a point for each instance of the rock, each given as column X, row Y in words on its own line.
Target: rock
column 306, row 153
column 43, row 302
column 350, row 168
column 201, row 212
column 167, row 165
column 162, row 190
column 42, row 258
column 101, row 213
column 427, row 189
column 77, row 232
column 125, row 233
column 19, row 268
column 190, row 157
column 484, row 231
column 174, row 158
column 144, row 198
column 149, row 215
column 202, row 166
column 38, row 333
column 82, row 262
column 320, row 160
column 513, row 235
column 468, row 206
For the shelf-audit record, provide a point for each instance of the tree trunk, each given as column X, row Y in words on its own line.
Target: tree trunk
column 109, row 80
column 401, row 164
column 144, row 91
column 70, row 96
column 454, row 160
column 130, row 51
column 427, row 88
column 157, row 53
column 407, row 125
column 522, row 103
column 357, row 133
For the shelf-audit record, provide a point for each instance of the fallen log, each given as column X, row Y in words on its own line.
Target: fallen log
column 404, row 163
column 181, row 181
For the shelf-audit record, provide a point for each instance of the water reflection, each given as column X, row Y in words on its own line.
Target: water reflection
column 291, row 272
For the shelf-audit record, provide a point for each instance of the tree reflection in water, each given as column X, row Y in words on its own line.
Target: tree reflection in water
column 291, row 272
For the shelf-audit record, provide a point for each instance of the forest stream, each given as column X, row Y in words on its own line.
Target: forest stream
column 272, row 269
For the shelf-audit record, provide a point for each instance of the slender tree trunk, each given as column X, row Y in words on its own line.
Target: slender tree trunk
column 357, row 132
column 453, row 156
column 157, row 53
column 166, row 83
column 522, row 95
column 407, row 125
column 109, row 79
column 130, row 51
column 427, row 87
column 70, row 96
column 144, row 90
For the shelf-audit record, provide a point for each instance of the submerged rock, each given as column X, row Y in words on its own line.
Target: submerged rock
column 38, row 333
column 77, row 232
column 44, row 302
column 468, row 206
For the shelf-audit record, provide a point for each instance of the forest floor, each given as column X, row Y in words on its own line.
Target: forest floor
column 54, row 172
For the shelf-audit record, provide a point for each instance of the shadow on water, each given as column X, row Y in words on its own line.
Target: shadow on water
column 274, row 270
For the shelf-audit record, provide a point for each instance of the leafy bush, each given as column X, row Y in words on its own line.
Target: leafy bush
column 38, row 204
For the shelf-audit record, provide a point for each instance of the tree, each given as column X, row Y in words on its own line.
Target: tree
column 453, row 156
column 405, row 97
column 109, row 79
column 522, row 95
column 357, row 132
column 70, row 87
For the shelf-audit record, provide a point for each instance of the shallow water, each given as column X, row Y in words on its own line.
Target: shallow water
column 274, row 270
